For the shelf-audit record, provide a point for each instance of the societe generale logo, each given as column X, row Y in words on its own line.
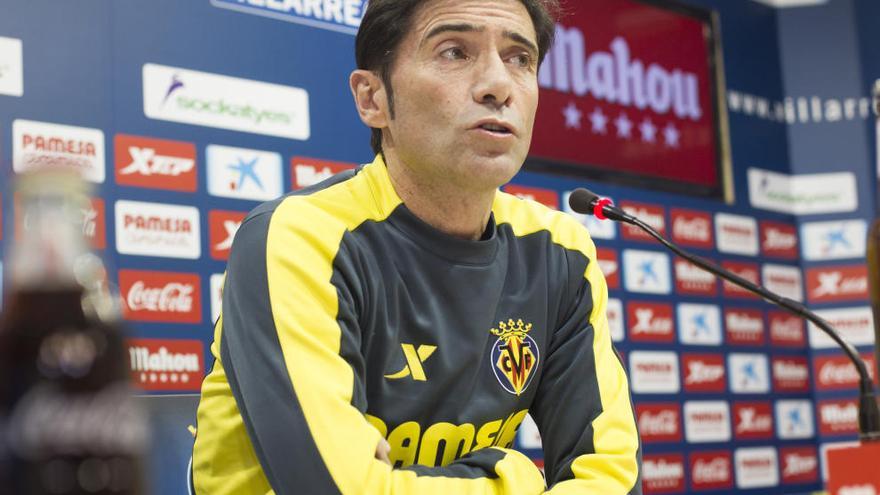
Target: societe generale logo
column 650, row 322
column 838, row 417
column 167, row 297
column 837, row 283
column 307, row 172
column 744, row 326
column 703, row 372
column 659, row 422
column 756, row 467
column 836, row 372
column 653, row 215
column 706, row 421
column 799, row 464
column 222, row 226
column 547, row 197
column 37, row 144
column 790, row 374
column 654, row 372
column 752, row 421
column 663, row 473
column 692, row 280
column 157, row 229
column 786, row 330
column 711, row 470
column 610, row 266
column 155, row 163
column 166, row 365
column 692, row 228
column 736, row 234
column 744, row 269
column 779, row 240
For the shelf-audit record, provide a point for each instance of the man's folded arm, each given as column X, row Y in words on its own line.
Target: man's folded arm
column 290, row 349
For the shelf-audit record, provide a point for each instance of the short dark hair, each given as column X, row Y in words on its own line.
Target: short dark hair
column 386, row 22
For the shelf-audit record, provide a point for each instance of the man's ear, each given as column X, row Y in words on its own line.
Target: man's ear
column 370, row 98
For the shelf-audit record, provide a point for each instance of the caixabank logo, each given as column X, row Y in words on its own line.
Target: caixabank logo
column 749, row 373
column 155, row 163
column 646, row 272
column 699, row 324
column 166, row 365
column 306, row 172
column 794, row 419
column 242, row 173
column 167, row 297
column 36, row 144
column 823, row 241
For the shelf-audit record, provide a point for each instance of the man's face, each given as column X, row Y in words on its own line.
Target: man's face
column 465, row 92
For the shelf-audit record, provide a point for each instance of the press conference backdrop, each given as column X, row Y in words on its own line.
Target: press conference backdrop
column 186, row 114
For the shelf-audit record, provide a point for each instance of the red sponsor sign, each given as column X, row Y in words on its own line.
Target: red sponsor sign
column 846, row 469
column 786, row 329
column 155, row 163
column 547, row 197
column 836, row 372
column 610, row 266
column 663, row 473
column 790, row 374
column 799, row 464
column 744, row 326
column 650, row 322
column 305, row 172
column 222, row 226
column 653, row 215
column 166, row 365
column 837, row 283
column 711, row 470
column 93, row 216
column 744, row 269
column 633, row 100
column 703, row 373
column 692, row 280
column 752, row 420
column 160, row 296
column 659, row 422
column 692, row 228
column 779, row 240
column 838, row 417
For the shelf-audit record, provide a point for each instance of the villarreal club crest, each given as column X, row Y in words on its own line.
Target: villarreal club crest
column 514, row 355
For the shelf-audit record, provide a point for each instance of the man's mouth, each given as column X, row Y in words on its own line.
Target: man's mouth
column 498, row 128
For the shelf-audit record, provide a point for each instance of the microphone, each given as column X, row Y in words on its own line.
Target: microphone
column 586, row 202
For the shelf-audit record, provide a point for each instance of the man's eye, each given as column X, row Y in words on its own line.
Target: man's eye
column 454, row 53
column 522, row 60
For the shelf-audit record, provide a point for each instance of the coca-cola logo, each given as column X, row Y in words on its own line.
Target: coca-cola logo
column 711, row 470
column 746, row 270
column 786, row 330
column 161, row 296
column 842, row 283
column 659, row 422
column 650, row 322
column 753, row 420
column 838, row 373
column 653, row 215
column 744, row 326
column 703, row 372
column 790, row 374
column 692, row 228
column 779, row 240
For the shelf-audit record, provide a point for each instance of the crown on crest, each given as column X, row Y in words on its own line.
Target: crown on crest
column 511, row 329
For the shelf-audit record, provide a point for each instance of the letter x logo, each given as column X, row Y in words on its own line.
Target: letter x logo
column 414, row 359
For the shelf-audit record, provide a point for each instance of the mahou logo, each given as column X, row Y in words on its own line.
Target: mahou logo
column 746, row 270
column 653, row 215
column 786, row 330
column 166, row 365
column 310, row 171
column 650, row 322
column 790, row 374
column 752, row 420
column 222, row 226
column 799, row 464
column 837, row 283
column 659, row 422
column 836, row 372
column 155, row 163
column 156, row 229
column 703, row 372
column 711, row 470
column 838, row 417
column 779, row 240
column 663, row 473
column 546, row 197
column 610, row 266
column 692, row 228
column 692, row 280
column 167, row 297
column 744, row 326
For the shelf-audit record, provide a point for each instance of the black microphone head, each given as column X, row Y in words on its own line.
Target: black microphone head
column 582, row 201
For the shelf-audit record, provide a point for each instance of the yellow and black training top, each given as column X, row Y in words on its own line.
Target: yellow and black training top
column 346, row 319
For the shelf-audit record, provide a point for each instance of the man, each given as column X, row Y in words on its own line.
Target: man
column 386, row 331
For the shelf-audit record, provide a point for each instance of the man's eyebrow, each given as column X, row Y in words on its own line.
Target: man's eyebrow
column 513, row 35
column 454, row 28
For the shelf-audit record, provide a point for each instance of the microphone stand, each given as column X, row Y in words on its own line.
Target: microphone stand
column 586, row 202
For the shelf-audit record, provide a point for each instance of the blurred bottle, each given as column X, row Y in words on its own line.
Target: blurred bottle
column 873, row 247
column 68, row 422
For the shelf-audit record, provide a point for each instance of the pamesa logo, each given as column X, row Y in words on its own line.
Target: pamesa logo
column 214, row 100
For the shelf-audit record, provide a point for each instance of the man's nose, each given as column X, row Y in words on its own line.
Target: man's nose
column 493, row 82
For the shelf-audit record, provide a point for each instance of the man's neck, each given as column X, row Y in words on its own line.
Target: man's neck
column 439, row 203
